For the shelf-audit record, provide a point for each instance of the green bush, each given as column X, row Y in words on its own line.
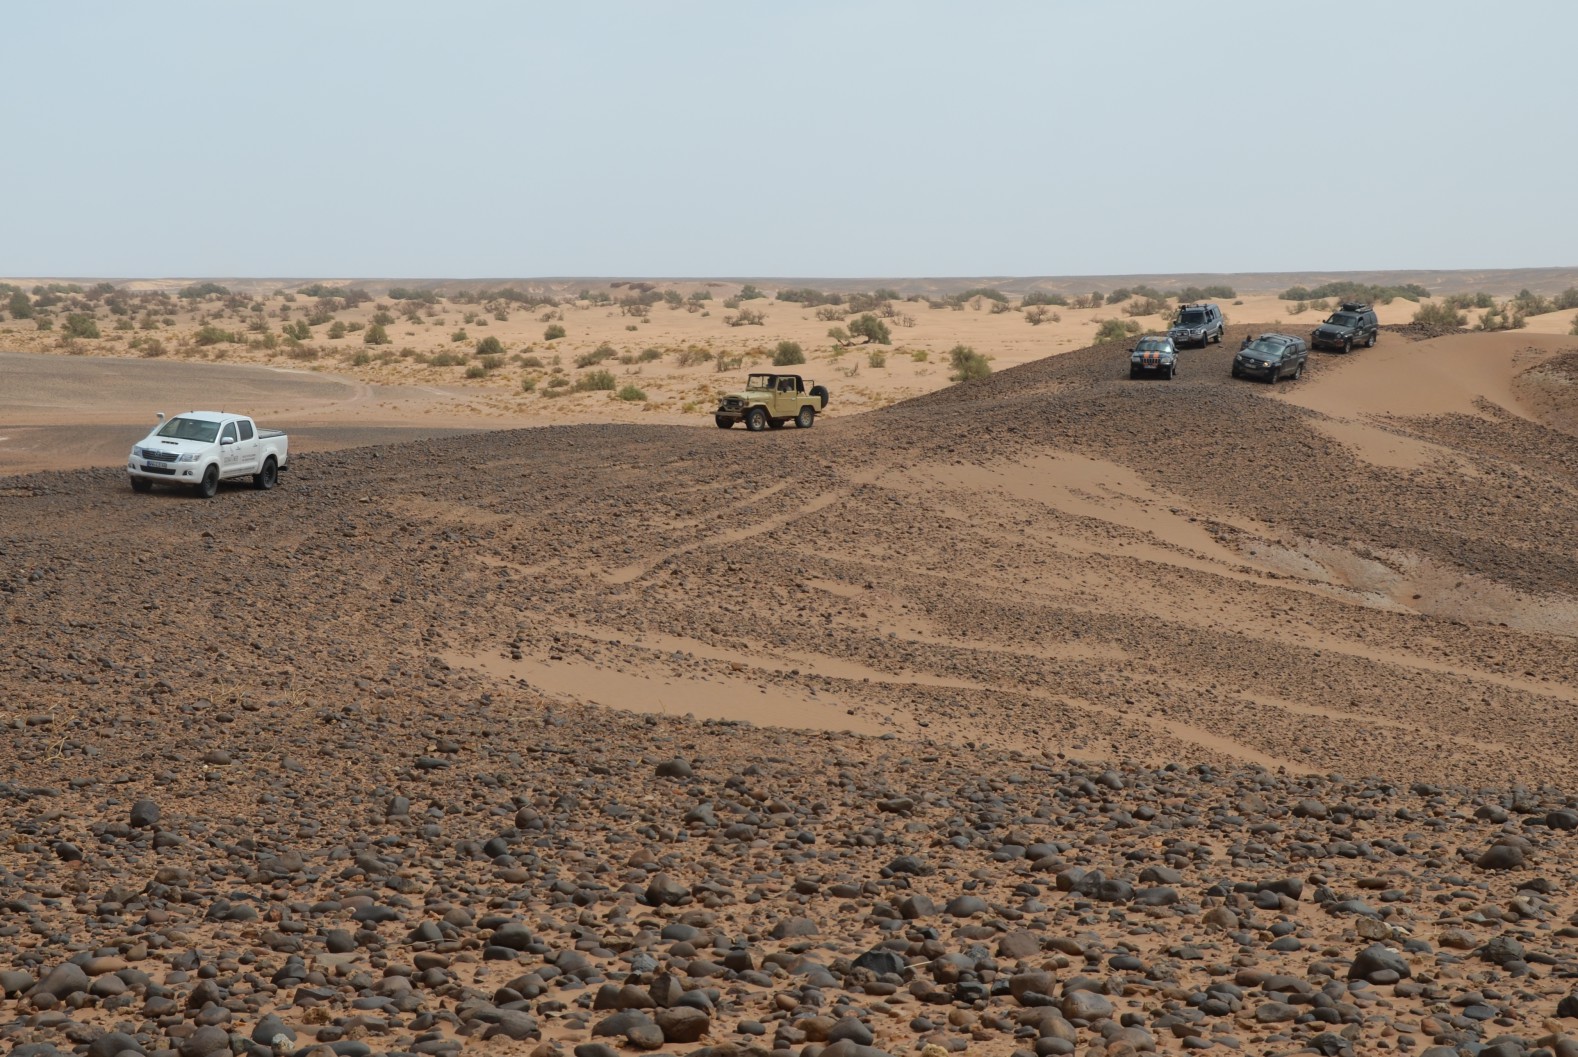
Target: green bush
column 1346, row 290
column 19, row 306
column 603, row 352
column 876, row 358
column 81, row 325
column 648, row 355
column 553, row 332
column 445, row 359
column 809, row 297
column 967, row 364
column 212, row 335
column 476, row 370
column 1041, row 297
column 871, row 328
column 749, row 293
column 788, row 353
column 337, row 329
column 297, row 330
column 1440, row 315
column 1116, row 330
column 376, row 335
column 630, row 392
column 1568, row 298
column 1145, row 306
column 595, row 381
column 1217, row 292
column 198, row 291
column 1474, row 300
column 988, row 292
column 530, row 362
column 490, row 346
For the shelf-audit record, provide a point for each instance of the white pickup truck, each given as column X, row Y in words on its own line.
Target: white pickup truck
column 201, row 448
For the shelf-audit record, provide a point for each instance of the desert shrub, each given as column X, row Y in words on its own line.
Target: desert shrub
column 490, row 346
column 830, row 313
column 920, row 355
column 445, row 359
column 648, row 355
column 1530, row 303
column 967, row 364
column 595, row 381
column 476, row 370
column 459, row 336
column 598, row 355
column 1214, row 292
column 302, row 353
column 988, row 292
column 839, row 335
column 361, row 358
column 337, row 329
column 1041, row 297
column 528, row 384
column 691, row 355
column 787, row 354
column 1347, row 290
column 153, row 348
column 630, row 392
column 553, row 332
column 80, row 325
column 700, row 295
column 209, row 334
column 1439, row 314
column 405, row 293
column 382, row 318
column 871, row 328
column 376, row 335
column 491, row 361
column 746, row 317
column 1574, row 330
column 19, row 306
column 1145, row 306
column 876, row 358
column 1120, row 295
column 198, row 291
column 749, row 293
column 532, row 362
column 999, row 307
column 1506, row 316
column 297, row 330
column 1474, row 300
column 1568, row 298
column 724, row 364
column 1116, row 330
column 1298, row 308
column 1037, row 315
column 809, row 297
column 126, row 324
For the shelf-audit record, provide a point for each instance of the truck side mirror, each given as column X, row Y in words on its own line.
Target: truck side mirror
column 226, row 440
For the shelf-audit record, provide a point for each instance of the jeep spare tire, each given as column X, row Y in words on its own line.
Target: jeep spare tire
column 820, row 392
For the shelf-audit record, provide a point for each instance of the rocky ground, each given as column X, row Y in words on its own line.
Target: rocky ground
column 1132, row 717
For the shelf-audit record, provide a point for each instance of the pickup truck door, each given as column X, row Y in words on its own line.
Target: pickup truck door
column 247, row 447
column 236, row 456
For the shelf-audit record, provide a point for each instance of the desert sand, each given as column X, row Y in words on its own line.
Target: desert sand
column 1043, row 713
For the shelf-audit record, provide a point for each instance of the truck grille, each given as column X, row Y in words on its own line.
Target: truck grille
column 159, row 456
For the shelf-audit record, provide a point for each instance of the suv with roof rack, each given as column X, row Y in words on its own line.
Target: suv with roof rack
column 1353, row 323
column 1198, row 324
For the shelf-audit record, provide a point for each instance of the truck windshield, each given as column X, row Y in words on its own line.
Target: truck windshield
column 190, row 429
column 759, row 381
column 1190, row 319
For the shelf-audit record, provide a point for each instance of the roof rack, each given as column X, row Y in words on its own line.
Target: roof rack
column 1354, row 306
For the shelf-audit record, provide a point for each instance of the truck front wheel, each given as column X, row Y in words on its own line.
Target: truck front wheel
column 756, row 419
column 141, row 484
column 267, row 477
column 210, row 483
column 722, row 422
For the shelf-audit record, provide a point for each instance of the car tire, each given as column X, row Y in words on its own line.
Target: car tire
column 1347, row 346
column 821, row 393
column 1273, row 375
column 1298, row 372
column 1371, row 343
column 806, row 418
column 1237, row 373
column 756, row 419
column 208, row 487
column 141, row 484
column 1172, row 372
column 722, row 422
column 267, row 477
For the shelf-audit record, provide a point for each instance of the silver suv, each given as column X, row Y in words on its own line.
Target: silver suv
column 1198, row 324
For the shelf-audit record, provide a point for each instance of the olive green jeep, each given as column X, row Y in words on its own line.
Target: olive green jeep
column 770, row 401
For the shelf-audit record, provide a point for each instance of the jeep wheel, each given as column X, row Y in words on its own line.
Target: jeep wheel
column 821, row 393
column 806, row 418
column 756, row 419
column 722, row 421
column 1134, row 372
column 1371, row 343
column 1347, row 346
column 1172, row 371
column 210, row 483
column 1298, row 372
column 141, row 484
column 1273, row 374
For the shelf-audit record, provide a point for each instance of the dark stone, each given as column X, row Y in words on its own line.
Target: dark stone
column 144, row 814
column 1378, row 958
column 881, row 961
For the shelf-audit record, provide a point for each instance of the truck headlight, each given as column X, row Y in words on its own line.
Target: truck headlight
column 191, row 456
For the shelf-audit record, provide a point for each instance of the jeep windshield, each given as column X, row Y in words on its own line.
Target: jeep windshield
column 189, row 429
column 1191, row 319
column 1343, row 319
column 1266, row 349
column 1152, row 345
column 759, row 381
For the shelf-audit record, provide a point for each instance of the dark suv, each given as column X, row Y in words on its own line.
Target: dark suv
column 1352, row 324
column 1198, row 325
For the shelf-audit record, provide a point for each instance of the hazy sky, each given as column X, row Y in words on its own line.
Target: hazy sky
column 509, row 139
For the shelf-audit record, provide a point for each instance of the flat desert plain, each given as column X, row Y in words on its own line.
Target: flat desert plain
column 1043, row 713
